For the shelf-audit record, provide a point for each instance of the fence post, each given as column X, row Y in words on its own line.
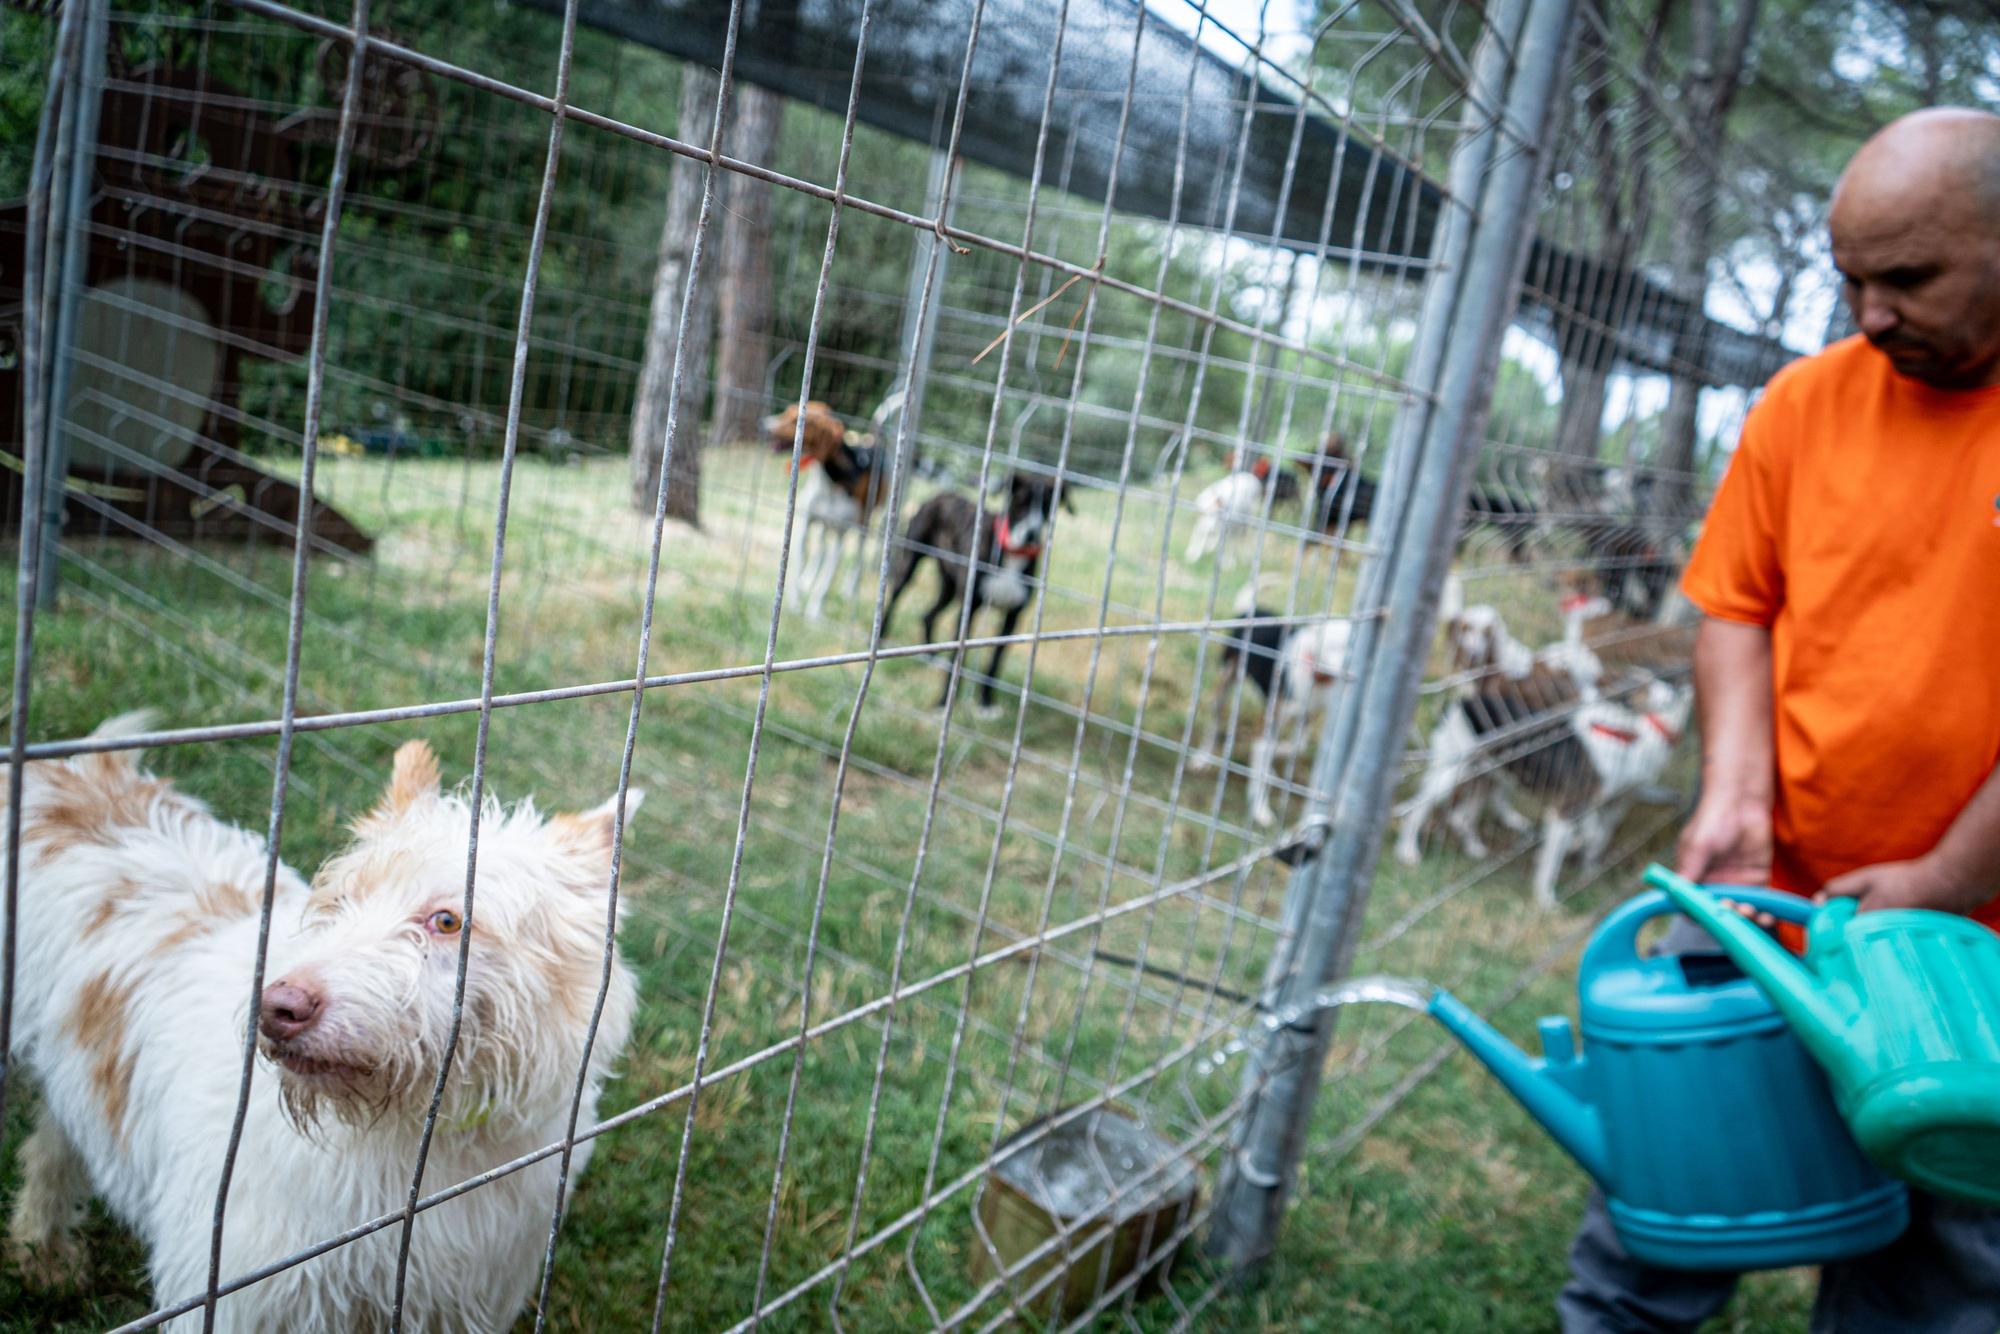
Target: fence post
column 920, row 320
column 1363, row 748
column 1450, row 244
column 69, row 237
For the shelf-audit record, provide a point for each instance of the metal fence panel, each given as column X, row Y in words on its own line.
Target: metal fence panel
column 332, row 324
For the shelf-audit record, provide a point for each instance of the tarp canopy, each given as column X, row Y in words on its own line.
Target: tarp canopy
column 1345, row 192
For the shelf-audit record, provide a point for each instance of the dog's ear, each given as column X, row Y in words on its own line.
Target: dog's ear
column 413, row 777
column 1063, row 498
column 825, row 432
column 588, row 833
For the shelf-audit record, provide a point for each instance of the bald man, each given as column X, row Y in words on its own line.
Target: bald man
column 1848, row 669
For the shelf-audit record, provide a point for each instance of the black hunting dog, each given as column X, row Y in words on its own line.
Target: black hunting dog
column 1005, row 575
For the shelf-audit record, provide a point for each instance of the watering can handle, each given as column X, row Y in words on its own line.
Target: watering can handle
column 1616, row 941
column 1834, row 915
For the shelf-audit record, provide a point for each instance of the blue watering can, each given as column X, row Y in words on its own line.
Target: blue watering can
column 1712, row 1132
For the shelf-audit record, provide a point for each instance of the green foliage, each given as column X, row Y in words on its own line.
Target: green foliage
column 430, row 257
column 26, row 45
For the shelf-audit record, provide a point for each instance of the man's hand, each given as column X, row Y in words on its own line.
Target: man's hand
column 1920, row 883
column 1729, row 839
column 1727, row 842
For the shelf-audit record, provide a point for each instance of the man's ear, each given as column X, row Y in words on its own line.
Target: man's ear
column 413, row 778
column 588, row 833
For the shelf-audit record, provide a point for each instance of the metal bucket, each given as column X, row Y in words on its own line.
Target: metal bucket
column 1071, row 1174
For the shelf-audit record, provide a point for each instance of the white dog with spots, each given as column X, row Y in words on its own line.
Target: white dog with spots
column 1294, row 668
column 138, row 926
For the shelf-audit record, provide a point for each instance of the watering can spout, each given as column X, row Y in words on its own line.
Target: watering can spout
column 1573, row 1123
column 1822, row 1019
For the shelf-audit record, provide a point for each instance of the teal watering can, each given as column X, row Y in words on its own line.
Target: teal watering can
column 1902, row 1010
column 1710, row 1129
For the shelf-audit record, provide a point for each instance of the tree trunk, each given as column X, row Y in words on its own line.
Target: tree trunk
column 1585, row 380
column 743, row 298
column 1716, row 67
column 1587, row 350
column 1622, row 190
column 668, row 336
column 1689, row 242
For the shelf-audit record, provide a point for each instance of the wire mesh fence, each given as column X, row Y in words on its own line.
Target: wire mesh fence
column 366, row 369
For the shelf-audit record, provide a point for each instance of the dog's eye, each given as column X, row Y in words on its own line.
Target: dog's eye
column 443, row 922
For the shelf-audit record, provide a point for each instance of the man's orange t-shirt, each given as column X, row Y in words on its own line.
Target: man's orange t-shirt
column 1860, row 522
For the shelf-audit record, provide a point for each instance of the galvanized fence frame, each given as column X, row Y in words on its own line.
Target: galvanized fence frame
column 1474, row 287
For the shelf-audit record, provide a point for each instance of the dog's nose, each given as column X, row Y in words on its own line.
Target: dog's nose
column 288, row 1010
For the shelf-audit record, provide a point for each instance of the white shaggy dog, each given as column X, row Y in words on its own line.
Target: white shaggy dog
column 138, row 923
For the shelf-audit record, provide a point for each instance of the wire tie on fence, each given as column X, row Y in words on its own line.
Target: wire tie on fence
column 1255, row 1175
column 1306, row 846
column 1301, row 1019
column 937, row 225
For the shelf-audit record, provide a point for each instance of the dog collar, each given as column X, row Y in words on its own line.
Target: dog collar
column 846, row 465
column 1626, row 736
column 1003, row 534
column 1575, row 601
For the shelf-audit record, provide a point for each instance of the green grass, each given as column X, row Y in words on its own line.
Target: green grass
column 1453, row 1213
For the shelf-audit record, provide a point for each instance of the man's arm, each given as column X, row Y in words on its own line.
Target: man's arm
column 1729, row 839
column 1961, row 873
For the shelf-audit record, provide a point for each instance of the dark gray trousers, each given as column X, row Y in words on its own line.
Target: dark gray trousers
column 1942, row 1276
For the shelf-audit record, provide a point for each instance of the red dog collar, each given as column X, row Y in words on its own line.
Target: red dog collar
column 1003, row 533
column 1626, row 736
